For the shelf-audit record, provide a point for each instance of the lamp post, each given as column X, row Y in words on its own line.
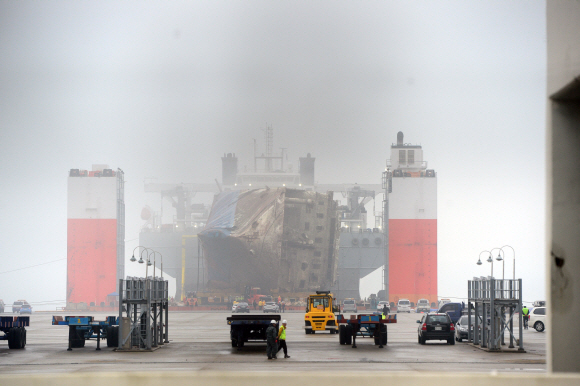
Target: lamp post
column 141, row 261
column 514, row 258
column 489, row 260
column 154, row 255
column 500, row 258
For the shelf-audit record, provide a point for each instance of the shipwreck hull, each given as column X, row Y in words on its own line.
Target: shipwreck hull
column 282, row 240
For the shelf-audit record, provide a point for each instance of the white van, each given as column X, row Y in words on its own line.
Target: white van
column 538, row 319
column 349, row 305
column 423, row 305
column 404, row 305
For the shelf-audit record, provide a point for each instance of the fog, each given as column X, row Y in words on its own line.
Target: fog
column 163, row 89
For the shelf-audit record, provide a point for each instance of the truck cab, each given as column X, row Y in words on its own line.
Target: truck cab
column 454, row 310
column 320, row 311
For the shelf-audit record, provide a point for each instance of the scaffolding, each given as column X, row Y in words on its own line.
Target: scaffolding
column 495, row 301
column 145, row 304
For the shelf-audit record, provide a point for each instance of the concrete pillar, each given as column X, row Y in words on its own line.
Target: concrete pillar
column 563, row 263
column 563, row 179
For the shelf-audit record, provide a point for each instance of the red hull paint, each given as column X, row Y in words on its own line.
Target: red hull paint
column 92, row 260
column 413, row 260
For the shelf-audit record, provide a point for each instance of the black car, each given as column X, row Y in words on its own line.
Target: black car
column 436, row 326
column 461, row 328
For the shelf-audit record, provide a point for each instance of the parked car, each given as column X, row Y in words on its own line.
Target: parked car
column 462, row 328
column 241, row 307
column 26, row 309
column 423, row 305
column 382, row 304
column 404, row 305
column 436, row 326
column 1, row 306
column 538, row 319
column 349, row 305
column 453, row 309
column 16, row 306
column 271, row 307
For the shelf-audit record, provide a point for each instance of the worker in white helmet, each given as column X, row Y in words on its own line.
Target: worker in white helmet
column 282, row 339
column 271, row 344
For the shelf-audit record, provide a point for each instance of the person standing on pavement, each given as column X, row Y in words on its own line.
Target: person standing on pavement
column 283, row 305
column 385, row 311
column 271, row 344
column 526, row 315
column 282, row 339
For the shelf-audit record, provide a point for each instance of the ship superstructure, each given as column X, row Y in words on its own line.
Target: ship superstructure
column 411, row 189
column 95, row 235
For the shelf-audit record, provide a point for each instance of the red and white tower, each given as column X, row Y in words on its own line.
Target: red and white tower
column 96, row 234
column 412, row 225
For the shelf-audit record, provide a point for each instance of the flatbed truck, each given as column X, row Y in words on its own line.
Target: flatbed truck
column 83, row 328
column 250, row 328
column 14, row 330
column 364, row 326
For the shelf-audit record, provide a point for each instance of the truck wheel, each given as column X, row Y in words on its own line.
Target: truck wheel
column 234, row 343
column 76, row 338
column 348, row 335
column 22, row 340
column 12, row 338
column 78, row 343
column 16, row 338
column 384, row 335
column 109, row 332
column 112, row 336
column 341, row 334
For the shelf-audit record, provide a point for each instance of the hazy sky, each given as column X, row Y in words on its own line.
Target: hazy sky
column 163, row 89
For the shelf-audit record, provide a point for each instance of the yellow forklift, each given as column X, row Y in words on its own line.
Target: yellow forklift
column 320, row 313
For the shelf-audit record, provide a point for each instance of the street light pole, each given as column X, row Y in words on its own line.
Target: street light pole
column 499, row 258
column 153, row 252
column 514, row 259
column 154, row 261
column 148, row 261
